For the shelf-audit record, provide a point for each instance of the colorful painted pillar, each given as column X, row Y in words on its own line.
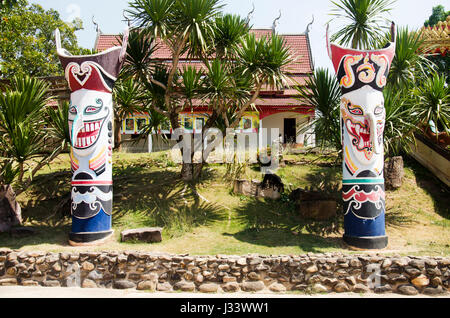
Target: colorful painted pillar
column 362, row 76
column 91, row 79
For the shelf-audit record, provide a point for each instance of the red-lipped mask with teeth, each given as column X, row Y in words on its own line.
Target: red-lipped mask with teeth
column 363, row 118
column 87, row 115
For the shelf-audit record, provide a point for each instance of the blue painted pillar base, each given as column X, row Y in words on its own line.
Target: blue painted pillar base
column 368, row 242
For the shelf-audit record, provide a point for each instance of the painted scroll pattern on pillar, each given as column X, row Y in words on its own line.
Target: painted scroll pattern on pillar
column 362, row 76
column 91, row 80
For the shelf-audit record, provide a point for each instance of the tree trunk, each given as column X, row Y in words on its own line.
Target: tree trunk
column 117, row 135
column 191, row 172
column 10, row 211
column 393, row 173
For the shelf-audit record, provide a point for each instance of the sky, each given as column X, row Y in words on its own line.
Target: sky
column 295, row 16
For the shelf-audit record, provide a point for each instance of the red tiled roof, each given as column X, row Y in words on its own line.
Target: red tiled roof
column 106, row 41
column 298, row 48
column 300, row 69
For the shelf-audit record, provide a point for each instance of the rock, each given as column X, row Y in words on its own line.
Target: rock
column 434, row 271
column 434, row 291
column 242, row 261
column 386, row 263
column 319, row 288
column 87, row 266
column 351, row 280
column 431, row 262
column 8, row 281
column 123, row 284
column 29, row 283
column 436, row 281
column 383, row 289
column 420, row 281
column 88, row 283
column 95, row 275
column 252, row 286
column 407, row 290
column 184, row 286
column 402, row 262
column 393, row 172
column 230, row 287
column 270, row 187
column 164, row 287
column 223, row 267
column 228, row 279
column 147, row 285
column 198, row 278
column 417, row 263
column 277, row 288
column 330, row 281
column 341, row 287
column 312, row 269
column 147, row 234
column 51, row 283
column 208, row 288
column 412, row 272
column 254, row 276
column 56, row 267
column 360, row 288
column 355, row 263
column 300, row 287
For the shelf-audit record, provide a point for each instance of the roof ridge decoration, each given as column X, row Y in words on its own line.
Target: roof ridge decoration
column 249, row 15
column 275, row 22
column 308, row 27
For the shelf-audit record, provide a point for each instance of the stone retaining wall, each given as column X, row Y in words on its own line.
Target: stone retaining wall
column 329, row 272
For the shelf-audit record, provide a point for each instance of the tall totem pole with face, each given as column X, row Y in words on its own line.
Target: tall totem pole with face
column 91, row 79
column 362, row 76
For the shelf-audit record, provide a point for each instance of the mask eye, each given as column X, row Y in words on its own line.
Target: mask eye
column 73, row 110
column 92, row 110
column 378, row 110
column 355, row 109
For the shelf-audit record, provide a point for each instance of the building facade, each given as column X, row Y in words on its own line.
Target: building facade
column 279, row 109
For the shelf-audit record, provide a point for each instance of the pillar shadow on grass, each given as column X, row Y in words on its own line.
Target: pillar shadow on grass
column 159, row 198
column 275, row 224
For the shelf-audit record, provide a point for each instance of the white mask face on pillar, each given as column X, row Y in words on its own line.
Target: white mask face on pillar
column 363, row 117
column 88, row 114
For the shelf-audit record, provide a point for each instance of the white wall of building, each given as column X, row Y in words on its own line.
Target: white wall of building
column 277, row 121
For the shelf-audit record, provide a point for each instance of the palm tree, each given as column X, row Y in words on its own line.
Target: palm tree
column 21, row 121
column 26, row 131
column 128, row 100
column 409, row 63
column 366, row 21
column 196, row 28
column 400, row 123
column 323, row 93
column 432, row 100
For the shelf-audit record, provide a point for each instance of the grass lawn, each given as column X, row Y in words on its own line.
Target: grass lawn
column 210, row 219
